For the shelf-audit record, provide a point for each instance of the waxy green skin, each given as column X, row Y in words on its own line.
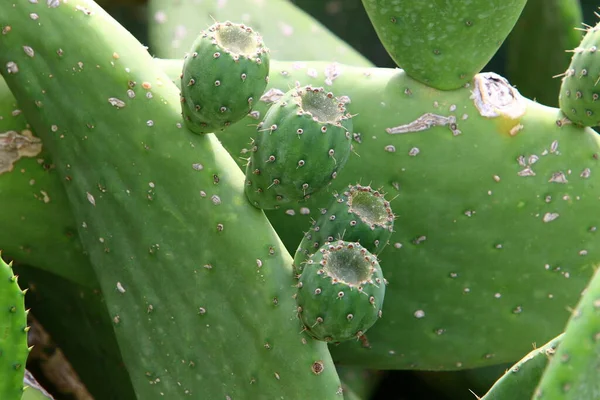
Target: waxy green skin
column 13, row 341
column 520, row 380
column 173, row 26
column 573, row 371
column 173, row 303
column 443, row 43
column 579, row 97
column 219, row 83
column 294, row 156
column 332, row 306
column 470, row 219
column 340, row 220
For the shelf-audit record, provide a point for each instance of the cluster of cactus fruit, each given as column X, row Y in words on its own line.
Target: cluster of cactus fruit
column 189, row 253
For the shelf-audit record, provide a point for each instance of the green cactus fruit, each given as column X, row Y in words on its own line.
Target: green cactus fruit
column 340, row 292
column 443, row 43
column 224, row 73
column 520, row 380
column 302, row 143
column 535, row 48
column 359, row 214
column 13, row 334
column 579, row 97
column 572, row 374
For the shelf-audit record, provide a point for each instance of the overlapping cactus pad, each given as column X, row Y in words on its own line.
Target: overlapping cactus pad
column 230, row 225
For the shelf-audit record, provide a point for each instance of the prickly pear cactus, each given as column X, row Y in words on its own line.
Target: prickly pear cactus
column 358, row 214
column 302, row 143
column 225, row 72
column 443, row 43
column 579, row 97
column 340, row 292
column 572, row 374
column 13, row 337
column 520, row 380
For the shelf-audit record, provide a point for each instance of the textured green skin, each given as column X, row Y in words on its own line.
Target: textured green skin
column 190, row 326
column 77, row 320
column 274, row 176
column 364, row 305
column 535, row 50
column 430, row 193
column 520, row 380
column 573, row 371
column 579, row 97
column 325, row 229
column 443, row 43
column 13, row 341
column 174, row 25
column 209, row 107
column 35, row 231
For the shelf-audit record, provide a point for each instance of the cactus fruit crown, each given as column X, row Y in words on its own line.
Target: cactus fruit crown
column 345, row 266
column 323, row 107
column 237, row 40
column 370, row 206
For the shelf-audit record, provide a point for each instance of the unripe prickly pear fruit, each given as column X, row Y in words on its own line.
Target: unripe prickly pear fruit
column 225, row 72
column 302, row 143
column 579, row 97
column 359, row 214
column 340, row 292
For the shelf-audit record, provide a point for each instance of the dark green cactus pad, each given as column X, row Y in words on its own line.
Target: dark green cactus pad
column 443, row 43
column 358, row 214
column 13, row 337
column 579, row 97
column 521, row 379
column 225, row 72
column 214, row 320
column 480, row 181
column 302, row 143
column 340, row 292
column 573, row 372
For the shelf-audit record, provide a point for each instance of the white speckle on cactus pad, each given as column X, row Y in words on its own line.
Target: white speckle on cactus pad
column 419, row 314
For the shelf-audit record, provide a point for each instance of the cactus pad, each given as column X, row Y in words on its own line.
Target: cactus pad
column 302, row 143
column 572, row 374
column 443, row 43
column 579, row 97
column 226, row 70
column 13, row 334
column 341, row 291
column 359, row 214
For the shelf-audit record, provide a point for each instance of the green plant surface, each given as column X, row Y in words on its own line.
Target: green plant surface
column 477, row 271
column 192, row 274
column 537, row 47
column 573, row 371
column 13, row 341
column 443, row 43
column 175, row 24
column 33, row 390
column 521, row 379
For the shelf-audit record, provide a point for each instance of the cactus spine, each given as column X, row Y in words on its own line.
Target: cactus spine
column 225, row 72
column 340, row 292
